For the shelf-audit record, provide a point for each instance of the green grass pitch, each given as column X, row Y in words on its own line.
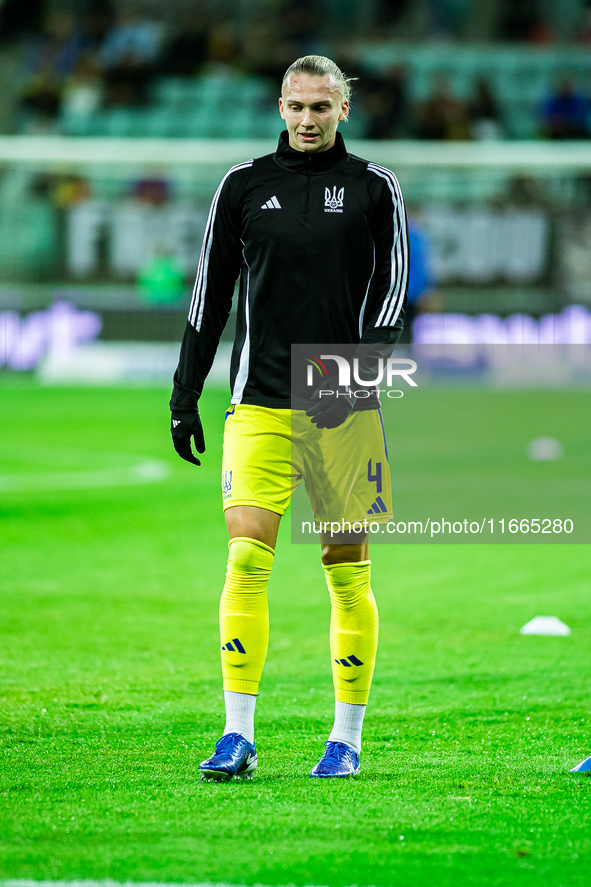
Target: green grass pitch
column 110, row 689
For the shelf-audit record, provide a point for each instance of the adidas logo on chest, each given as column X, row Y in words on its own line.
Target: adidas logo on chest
column 272, row 203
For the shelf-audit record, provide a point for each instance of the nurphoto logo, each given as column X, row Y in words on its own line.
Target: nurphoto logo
column 385, row 370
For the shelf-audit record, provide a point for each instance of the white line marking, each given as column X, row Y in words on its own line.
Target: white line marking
column 28, row 883
column 145, row 472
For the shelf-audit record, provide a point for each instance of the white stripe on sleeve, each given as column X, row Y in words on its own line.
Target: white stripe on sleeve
column 198, row 298
column 399, row 255
column 244, row 362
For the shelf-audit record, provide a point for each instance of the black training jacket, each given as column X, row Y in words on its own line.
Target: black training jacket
column 320, row 244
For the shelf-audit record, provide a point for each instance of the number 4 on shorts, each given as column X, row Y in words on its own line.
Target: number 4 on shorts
column 377, row 477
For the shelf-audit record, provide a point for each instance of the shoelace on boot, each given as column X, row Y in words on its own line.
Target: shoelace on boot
column 332, row 754
column 228, row 742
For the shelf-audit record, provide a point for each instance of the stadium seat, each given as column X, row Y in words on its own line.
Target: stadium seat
column 161, row 123
column 170, row 90
column 216, row 88
column 78, row 124
column 119, row 123
column 199, row 123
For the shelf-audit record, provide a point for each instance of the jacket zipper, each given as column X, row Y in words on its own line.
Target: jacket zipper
column 308, row 183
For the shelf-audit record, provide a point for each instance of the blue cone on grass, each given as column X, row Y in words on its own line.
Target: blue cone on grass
column 583, row 767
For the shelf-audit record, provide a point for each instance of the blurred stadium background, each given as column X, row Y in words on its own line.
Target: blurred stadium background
column 118, row 119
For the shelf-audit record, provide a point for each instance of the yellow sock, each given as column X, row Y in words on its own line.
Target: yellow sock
column 353, row 630
column 244, row 614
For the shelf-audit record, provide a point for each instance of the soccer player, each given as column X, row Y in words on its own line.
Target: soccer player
column 318, row 238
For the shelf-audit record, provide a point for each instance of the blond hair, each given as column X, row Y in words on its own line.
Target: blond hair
column 321, row 66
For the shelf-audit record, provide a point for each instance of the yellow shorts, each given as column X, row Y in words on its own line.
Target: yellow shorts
column 268, row 452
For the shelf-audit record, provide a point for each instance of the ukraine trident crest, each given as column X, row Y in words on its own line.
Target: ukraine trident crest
column 333, row 203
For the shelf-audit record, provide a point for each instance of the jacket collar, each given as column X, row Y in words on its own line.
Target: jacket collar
column 300, row 161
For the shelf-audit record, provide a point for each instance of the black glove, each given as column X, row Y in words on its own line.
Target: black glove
column 331, row 410
column 184, row 425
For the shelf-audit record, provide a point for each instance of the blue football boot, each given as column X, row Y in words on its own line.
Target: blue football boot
column 234, row 756
column 339, row 759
